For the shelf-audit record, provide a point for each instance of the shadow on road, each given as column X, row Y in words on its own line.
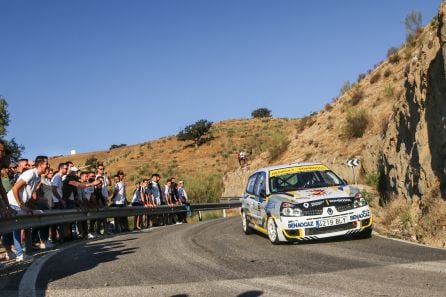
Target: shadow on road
column 255, row 293
column 82, row 258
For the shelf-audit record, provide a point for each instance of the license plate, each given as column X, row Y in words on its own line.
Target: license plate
column 331, row 222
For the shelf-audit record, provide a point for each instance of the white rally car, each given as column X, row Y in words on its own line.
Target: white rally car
column 303, row 201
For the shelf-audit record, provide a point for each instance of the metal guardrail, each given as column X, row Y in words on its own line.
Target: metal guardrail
column 52, row 217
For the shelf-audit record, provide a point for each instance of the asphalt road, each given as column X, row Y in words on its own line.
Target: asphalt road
column 216, row 258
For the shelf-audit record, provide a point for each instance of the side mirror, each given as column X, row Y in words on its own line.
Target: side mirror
column 262, row 193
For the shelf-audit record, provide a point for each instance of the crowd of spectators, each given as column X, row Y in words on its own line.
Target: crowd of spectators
column 33, row 185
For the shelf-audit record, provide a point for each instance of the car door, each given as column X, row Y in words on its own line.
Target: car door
column 260, row 198
column 249, row 201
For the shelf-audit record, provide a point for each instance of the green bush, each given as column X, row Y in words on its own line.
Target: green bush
column 261, row 113
column 203, row 188
column 372, row 179
column 91, row 162
column 356, row 123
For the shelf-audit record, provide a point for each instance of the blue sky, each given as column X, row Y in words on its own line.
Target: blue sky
column 87, row 74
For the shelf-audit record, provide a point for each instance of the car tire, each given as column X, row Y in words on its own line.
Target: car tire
column 366, row 233
column 273, row 235
column 245, row 224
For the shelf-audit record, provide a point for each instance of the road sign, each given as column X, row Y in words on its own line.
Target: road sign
column 353, row 163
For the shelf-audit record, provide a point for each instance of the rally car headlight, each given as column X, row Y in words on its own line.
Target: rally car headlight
column 359, row 201
column 289, row 210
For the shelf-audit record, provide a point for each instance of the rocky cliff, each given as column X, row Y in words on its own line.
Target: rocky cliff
column 413, row 159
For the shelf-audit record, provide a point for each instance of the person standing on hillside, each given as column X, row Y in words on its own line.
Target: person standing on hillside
column 21, row 193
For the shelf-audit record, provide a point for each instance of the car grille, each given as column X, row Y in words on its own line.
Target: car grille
column 315, row 231
column 313, row 212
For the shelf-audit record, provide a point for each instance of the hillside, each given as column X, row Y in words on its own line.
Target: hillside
column 402, row 149
column 202, row 169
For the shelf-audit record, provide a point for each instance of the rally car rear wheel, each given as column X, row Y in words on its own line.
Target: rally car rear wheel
column 245, row 224
column 272, row 231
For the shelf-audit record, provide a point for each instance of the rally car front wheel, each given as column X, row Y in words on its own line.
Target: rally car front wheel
column 272, row 231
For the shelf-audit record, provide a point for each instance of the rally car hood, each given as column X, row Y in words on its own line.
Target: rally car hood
column 319, row 193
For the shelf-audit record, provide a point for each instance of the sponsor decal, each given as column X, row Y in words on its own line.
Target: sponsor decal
column 340, row 200
column 306, row 205
column 363, row 215
column 317, row 203
column 290, row 170
column 297, row 224
column 318, row 192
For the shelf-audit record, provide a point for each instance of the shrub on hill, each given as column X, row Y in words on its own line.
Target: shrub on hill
column 346, row 87
column 261, row 113
column 202, row 188
column 306, row 121
column 357, row 96
column 91, row 162
column 392, row 55
column 412, row 23
column 356, row 123
column 375, row 78
column 196, row 132
column 114, row 146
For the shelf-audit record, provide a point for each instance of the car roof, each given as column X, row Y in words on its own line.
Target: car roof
column 295, row 164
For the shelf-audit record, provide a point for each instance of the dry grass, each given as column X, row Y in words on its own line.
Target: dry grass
column 169, row 157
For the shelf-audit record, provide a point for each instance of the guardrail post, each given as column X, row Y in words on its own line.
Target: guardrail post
column 224, row 213
column 28, row 242
column 200, row 218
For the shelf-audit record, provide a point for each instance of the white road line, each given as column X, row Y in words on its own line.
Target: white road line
column 27, row 286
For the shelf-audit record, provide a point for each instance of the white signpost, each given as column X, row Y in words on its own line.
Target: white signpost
column 353, row 163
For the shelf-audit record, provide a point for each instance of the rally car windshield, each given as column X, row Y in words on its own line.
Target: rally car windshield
column 304, row 180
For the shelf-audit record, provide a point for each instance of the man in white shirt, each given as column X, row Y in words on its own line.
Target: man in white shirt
column 101, row 172
column 21, row 193
column 119, row 200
